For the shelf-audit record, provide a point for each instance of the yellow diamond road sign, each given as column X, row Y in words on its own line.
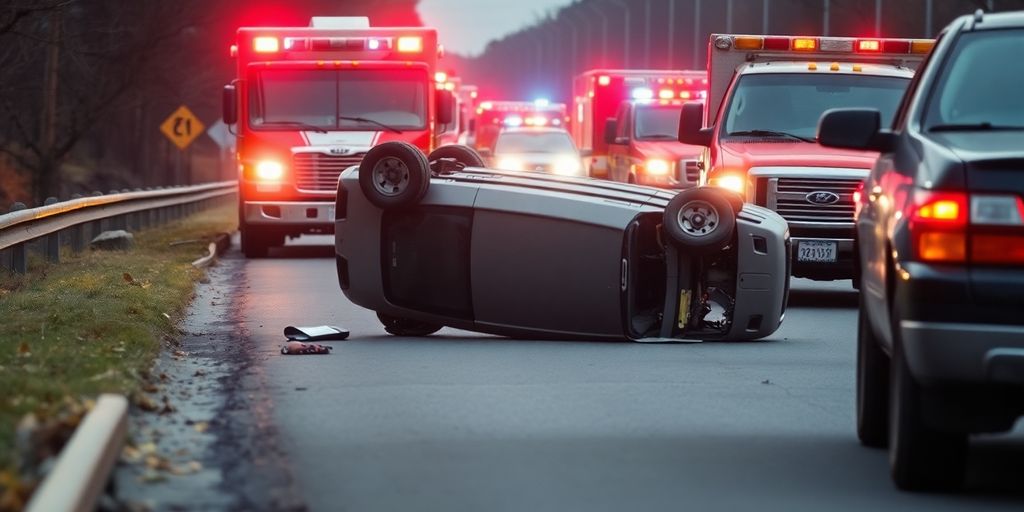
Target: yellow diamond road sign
column 182, row 127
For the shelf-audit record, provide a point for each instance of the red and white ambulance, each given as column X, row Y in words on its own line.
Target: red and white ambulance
column 494, row 116
column 309, row 102
column 758, row 125
column 611, row 105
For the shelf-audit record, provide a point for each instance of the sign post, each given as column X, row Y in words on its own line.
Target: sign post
column 181, row 128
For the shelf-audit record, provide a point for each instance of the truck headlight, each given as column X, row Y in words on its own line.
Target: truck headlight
column 657, row 167
column 730, row 181
column 269, row 170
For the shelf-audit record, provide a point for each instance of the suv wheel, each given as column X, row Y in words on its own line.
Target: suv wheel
column 921, row 458
column 872, row 385
column 405, row 327
column 700, row 220
column 394, row 175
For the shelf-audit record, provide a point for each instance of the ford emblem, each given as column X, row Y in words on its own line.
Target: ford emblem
column 822, row 197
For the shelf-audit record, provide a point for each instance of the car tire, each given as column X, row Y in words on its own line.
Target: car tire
column 699, row 220
column 406, row 327
column 872, row 385
column 464, row 155
column 921, row 458
column 394, row 175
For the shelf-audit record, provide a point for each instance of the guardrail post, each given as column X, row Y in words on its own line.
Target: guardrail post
column 53, row 239
column 19, row 261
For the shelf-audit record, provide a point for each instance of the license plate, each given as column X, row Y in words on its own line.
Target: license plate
column 817, row 251
column 330, row 213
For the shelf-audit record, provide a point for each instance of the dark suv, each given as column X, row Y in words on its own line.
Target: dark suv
column 940, row 241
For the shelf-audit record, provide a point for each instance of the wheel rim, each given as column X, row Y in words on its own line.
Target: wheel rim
column 698, row 218
column 390, row 176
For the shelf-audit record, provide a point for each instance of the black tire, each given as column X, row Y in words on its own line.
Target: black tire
column 464, row 155
column 406, row 327
column 700, row 220
column 921, row 458
column 394, row 175
column 872, row 385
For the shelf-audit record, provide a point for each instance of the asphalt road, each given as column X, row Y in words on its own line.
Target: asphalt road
column 460, row 421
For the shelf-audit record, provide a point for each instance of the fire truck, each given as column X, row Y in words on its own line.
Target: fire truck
column 604, row 124
column 493, row 116
column 758, row 126
column 309, row 102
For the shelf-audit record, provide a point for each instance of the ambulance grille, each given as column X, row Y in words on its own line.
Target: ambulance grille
column 790, row 199
column 318, row 172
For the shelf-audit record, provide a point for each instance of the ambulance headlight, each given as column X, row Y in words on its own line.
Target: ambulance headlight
column 269, row 170
column 566, row 165
column 510, row 164
column 657, row 167
column 732, row 182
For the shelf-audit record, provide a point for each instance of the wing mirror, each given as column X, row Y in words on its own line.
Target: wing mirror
column 691, row 125
column 230, row 105
column 854, row 128
column 445, row 104
column 610, row 127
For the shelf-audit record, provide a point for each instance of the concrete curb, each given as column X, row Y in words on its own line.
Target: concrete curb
column 83, row 466
column 220, row 244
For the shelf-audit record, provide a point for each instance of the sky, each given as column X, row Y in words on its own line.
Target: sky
column 465, row 26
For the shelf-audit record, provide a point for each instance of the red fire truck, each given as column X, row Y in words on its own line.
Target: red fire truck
column 493, row 116
column 598, row 96
column 308, row 102
column 760, row 121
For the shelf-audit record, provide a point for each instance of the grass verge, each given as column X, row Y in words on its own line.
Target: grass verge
column 94, row 323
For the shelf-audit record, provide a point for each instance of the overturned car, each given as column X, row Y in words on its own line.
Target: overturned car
column 442, row 241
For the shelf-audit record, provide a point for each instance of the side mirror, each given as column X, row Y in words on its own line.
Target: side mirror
column 691, row 126
column 445, row 105
column 854, row 128
column 230, row 106
column 611, row 125
column 586, row 152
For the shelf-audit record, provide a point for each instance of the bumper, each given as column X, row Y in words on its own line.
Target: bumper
column 319, row 214
column 966, row 353
column 842, row 268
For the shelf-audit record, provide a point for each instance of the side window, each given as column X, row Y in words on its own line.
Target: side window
column 899, row 120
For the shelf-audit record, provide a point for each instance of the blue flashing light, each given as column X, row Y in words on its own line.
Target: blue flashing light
column 541, row 102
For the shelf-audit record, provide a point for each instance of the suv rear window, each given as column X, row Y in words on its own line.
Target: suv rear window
column 982, row 82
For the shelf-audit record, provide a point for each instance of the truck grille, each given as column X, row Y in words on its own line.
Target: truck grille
column 789, row 197
column 319, row 171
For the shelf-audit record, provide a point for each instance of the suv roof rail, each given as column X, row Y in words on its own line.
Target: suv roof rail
column 978, row 15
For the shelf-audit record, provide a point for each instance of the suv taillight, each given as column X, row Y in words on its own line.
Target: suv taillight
column 954, row 227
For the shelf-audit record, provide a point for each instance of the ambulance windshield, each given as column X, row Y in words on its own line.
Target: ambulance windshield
column 338, row 99
column 792, row 103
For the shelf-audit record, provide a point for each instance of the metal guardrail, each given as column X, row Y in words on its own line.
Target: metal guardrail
column 79, row 220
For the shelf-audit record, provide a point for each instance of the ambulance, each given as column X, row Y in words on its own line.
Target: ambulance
column 621, row 119
column 309, row 102
column 448, row 133
column 758, row 128
column 467, row 96
column 494, row 116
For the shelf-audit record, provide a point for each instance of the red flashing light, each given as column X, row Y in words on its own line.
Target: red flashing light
column 776, row 43
column 265, row 44
column 869, row 45
column 410, row 44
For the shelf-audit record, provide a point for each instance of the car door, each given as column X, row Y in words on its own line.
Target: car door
column 548, row 260
column 618, row 152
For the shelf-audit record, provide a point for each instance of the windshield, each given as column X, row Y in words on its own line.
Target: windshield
column 657, row 122
column 792, row 103
column 982, row 82
column 539, row 142
column 325, row 98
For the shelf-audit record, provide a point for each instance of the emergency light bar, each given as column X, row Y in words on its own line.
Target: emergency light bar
column 824, row 44
column 271, row 44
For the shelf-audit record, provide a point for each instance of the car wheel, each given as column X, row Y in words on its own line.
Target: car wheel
column 406, row 327
column 463, row 155
column 921, row 458
column 872, row 385
column 394, row 174
column 700, row 219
